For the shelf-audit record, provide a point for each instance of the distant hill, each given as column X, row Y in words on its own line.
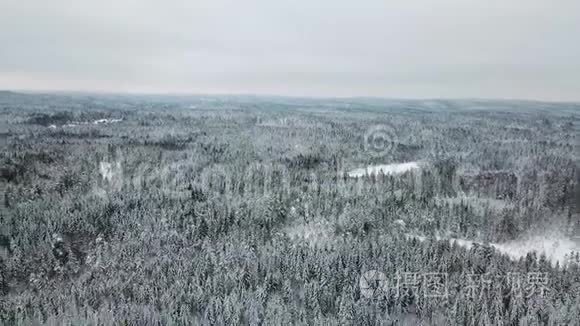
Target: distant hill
column 30, row 101
column 4, row 93
column 281, row 103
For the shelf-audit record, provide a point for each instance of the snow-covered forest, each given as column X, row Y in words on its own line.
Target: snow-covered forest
column 168, row 210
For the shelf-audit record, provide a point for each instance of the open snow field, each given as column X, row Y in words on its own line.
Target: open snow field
column 387, row 169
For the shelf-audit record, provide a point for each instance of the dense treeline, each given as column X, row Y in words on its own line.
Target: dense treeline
column 242, row 212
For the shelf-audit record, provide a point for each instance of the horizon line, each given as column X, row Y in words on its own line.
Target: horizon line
column 265, row 95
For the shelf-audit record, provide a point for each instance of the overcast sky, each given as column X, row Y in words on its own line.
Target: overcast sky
column 527, row 49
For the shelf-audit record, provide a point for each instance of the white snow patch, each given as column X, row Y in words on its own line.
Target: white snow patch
column 556, row 248
column 101, row 121
column 96, row 122
column 387, row 169
column 401, row 223
column 313, row 233
column 112, row 173
column 106, row 170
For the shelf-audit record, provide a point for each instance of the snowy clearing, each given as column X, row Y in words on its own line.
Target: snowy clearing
column 82, row 123
column 556, row 248
column 314, row 233
column 387, row 169
column 101, row 121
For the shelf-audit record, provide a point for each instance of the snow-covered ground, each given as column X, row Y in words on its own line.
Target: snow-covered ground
column 557, row 248
column 314, row 233
column 110, row 171
column 395, row 168
column 100, row 121
column 82, row 123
